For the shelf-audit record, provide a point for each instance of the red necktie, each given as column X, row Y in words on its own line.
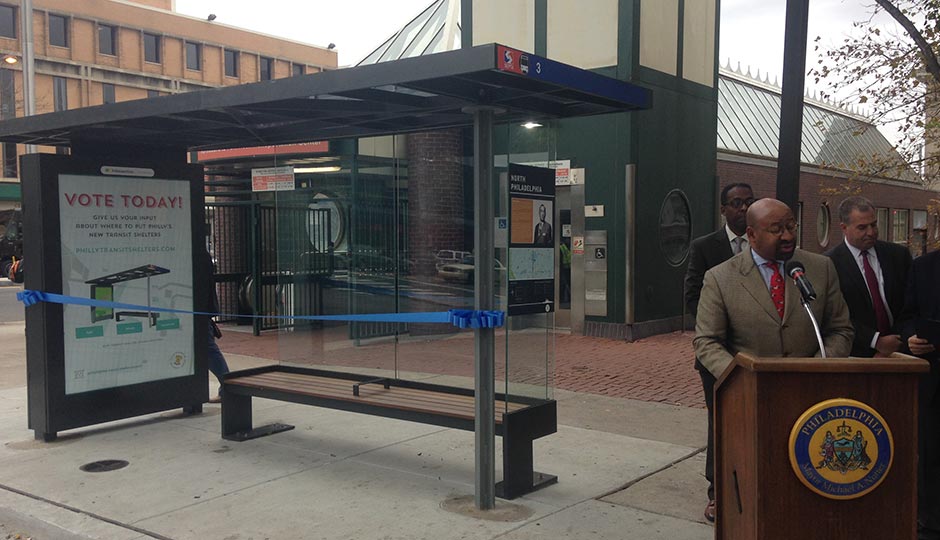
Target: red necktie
column 776, row 287
column 881, row 314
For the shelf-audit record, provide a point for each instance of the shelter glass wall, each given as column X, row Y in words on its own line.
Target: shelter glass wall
column 386, row 226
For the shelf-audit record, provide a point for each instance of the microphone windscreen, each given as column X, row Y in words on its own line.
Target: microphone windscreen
column 793, row 266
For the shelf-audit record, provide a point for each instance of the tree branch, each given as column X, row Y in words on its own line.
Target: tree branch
column 930, row 59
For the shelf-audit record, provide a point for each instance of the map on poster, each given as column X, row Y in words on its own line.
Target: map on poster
column 125, row 240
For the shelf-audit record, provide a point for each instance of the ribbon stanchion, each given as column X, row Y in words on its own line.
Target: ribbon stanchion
column 461, row 318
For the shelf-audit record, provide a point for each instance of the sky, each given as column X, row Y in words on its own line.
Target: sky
column 751, row 30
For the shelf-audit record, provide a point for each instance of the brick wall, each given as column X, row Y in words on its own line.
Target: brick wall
column 824, row 188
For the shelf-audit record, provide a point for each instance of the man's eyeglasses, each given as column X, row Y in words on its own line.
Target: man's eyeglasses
column 738, row 203
column 777, row 229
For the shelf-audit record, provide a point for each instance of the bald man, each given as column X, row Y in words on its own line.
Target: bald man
column 749, row 305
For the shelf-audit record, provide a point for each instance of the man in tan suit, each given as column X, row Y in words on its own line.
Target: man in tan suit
column 749, row 305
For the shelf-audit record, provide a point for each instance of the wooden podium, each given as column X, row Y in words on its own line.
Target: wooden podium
column 758, row 403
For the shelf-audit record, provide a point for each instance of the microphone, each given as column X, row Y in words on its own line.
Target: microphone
column 795, row 270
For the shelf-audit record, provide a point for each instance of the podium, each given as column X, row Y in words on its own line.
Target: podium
column 817, row 448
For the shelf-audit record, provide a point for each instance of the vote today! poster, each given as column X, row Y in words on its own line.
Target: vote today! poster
column 531, row 240
column 125, row 240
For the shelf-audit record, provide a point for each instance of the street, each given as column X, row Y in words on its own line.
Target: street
column 11, row 310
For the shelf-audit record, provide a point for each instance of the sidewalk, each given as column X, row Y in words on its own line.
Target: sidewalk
column 627, row 468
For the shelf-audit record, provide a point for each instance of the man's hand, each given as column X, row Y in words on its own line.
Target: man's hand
column 919, row 346
column 889, row 344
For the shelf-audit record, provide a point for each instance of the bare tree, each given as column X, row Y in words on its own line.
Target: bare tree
column 897, row 77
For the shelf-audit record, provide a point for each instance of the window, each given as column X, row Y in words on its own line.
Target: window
column 60, row 94
column 267, row 69
column 9, row 160
column 936, row 226
column 7, row 95
column 107, row 37
column 152, row 48
column 153, row 93
column 919, row 219
column 899, row 220
column 231, row 63
column 107, row 93
column 7, row 21
column 822, row 225
column 58, row 31
column 193, row 60
column 883, row 222
column 297, row 69
column 675, row 227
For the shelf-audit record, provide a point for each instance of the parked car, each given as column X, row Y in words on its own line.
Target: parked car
column 449, row 256
column 463, row 271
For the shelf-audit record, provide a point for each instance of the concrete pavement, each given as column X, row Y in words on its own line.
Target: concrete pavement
column 627, row 468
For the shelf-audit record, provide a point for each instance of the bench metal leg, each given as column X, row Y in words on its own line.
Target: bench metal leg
column 519, row 430
column 236, row 419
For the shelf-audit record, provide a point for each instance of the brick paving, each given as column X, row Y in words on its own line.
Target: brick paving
column 658, row 368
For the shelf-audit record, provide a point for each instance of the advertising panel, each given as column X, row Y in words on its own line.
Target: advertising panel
column 125, row 240
column 531, row 240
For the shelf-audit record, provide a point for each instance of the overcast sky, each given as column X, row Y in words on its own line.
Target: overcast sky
column 751, row 30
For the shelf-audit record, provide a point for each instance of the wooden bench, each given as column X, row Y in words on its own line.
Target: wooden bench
column 519, row 419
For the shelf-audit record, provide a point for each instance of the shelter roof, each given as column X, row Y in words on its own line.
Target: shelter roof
column 413, row 94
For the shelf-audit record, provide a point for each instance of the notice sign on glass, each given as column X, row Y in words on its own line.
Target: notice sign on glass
column 272, row 179
column 125, row 240
column 531, row 240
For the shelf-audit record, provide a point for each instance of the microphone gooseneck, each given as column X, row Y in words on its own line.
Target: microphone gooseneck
column 795, row 270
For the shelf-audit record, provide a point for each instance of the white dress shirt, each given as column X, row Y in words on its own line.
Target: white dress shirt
column 876, row 266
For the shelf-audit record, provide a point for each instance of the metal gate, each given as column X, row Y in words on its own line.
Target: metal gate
column 285, row 249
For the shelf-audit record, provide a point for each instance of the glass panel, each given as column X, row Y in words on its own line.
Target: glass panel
column 919, row 219
column 7, row 21
column 106, row 39
column 267, row 69
column 58, row 31
column 107, row 93
column 822, row 225
column 152, row 48
column 60, row 95
column 377, row 226
column 231, row 63
column 193, row 61
column 883, row 222
column 899, row 226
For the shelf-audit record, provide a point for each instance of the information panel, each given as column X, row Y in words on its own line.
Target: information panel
column 531, row 240
column 128, row 241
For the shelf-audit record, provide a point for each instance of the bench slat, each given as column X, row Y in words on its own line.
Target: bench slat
column 343, row 388
column 410, row 399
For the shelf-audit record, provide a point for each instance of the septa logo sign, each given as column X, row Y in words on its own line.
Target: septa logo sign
column 507, row 60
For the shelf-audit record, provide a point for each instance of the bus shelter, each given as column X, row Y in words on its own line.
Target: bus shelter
column 482, row 90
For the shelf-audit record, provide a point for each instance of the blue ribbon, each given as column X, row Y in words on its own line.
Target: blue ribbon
column 461, row 318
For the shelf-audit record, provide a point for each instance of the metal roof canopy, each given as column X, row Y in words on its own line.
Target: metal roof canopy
column 408, row 95
column 451, row 89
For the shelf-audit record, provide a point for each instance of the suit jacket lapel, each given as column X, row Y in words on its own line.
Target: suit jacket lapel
column 853, row 272
column 753, row 282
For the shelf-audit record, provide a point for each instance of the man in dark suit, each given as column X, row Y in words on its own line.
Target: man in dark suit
column 873, row 278
column 922, row 303
column 708, row 251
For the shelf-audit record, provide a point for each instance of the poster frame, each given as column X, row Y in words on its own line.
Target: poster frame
column 50, row 409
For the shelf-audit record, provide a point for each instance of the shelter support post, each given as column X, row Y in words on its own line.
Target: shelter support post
column 484, row 338
column 791, row 103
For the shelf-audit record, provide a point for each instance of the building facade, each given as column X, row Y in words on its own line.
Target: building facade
column 90, row 52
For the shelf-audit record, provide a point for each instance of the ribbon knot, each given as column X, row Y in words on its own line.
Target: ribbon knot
column 29, row 297
column 466, row 318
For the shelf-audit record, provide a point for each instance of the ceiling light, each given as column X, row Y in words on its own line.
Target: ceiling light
column 531, row 125
column 333, row 168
